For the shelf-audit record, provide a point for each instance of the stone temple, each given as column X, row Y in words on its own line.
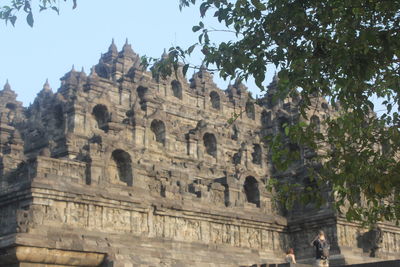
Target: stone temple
column 117, row 168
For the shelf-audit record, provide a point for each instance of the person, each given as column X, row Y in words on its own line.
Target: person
column 322, row 247
column 290, row 258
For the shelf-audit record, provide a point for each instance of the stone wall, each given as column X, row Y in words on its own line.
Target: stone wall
column 124, row 169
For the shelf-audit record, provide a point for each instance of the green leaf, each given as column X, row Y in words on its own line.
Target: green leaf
column 196, row 28
column 185, row 69
column 203, row 9
column 260, row 6
column 287, row 130
column 13, row 19
column 56, row 10
column 29, row 19
column 190, row 49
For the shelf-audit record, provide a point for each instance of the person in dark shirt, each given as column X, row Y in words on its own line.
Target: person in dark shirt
column 321, row 250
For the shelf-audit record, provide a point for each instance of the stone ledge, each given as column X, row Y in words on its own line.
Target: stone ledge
column 24, row 254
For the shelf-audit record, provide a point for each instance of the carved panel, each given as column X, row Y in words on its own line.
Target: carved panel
column 116, row 220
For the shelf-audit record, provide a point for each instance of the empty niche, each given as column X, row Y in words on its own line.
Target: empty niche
column 237, row 157
column 100, row 112
column 58, row 116
column 315, row 123
column 210, row 143
column 235, row 132
column 158, row 129
column 215, row 100
column 11, row 111
column 265, row 118
column 251, row 190
column 250, row 112
column 11, row 106
column 120, row 168
column 142, row 91
column 256, row 154
column 176, row 89
column 103, row 71
column 324, row 106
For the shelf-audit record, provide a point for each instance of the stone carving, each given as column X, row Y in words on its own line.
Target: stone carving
column 148, row 172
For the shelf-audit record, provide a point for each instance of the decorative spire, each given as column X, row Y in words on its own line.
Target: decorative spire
column 46, row 86
column 82, row 74
column 93, row 73
column 8, row 91
column 164, row 54
column 276, row 77
column 273, row 86
column 7, row 86
column 73, row 68
column 127, row 49
column 241, row 88
column 113, row 48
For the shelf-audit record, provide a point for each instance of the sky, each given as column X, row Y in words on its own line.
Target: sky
column 77, row 37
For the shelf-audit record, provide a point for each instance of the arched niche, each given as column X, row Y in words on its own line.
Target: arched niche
column 315, row 123
column 102, row 116
column 176, row 89
column 103, row 71
column 210, row 143
column 58, row 116
column 237, row 158
column 324, row 106
column 265, row 119
column 158, row 129
column 256, row 155
column 235, row 132
column 11, row 106
column 11, row 112
column 250, row 110
column 215, row 100
column 120, row 167
column 251, row 190
column 141, row 92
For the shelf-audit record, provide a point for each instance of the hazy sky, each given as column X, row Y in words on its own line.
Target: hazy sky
column 56, row 42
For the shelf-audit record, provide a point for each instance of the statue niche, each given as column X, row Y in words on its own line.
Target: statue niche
column 215, row 100
column 158, row 129
column 176, row 89
column 251, row 190
column 100, row 112
column 210, row 143
column 120, row 168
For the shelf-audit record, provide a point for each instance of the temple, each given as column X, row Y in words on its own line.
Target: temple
column 118, row 168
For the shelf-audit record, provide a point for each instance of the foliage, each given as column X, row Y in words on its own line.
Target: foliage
column 169, row 62
column 344, row 51
column 8, row 13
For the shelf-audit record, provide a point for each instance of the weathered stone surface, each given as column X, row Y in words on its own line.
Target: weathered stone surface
column 33, row 256
column 149, row 173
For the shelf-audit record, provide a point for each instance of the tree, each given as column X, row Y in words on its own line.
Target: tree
column 8, row 13
column 344, row 51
